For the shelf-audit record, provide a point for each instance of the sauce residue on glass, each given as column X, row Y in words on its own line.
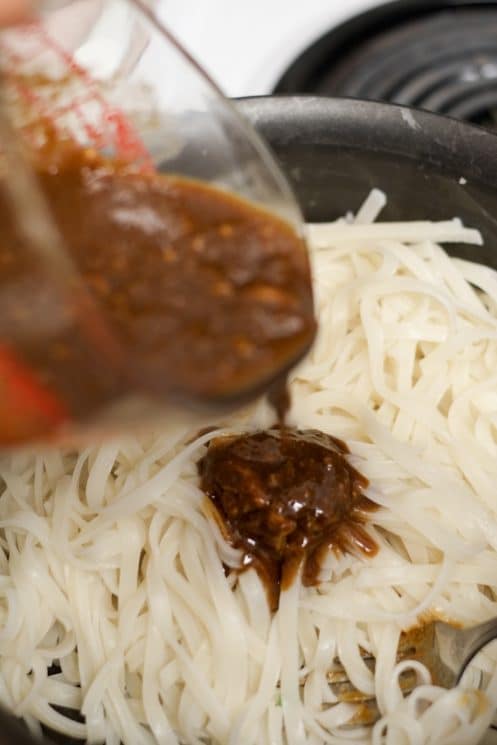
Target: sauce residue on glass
column 285, row 497
column 204, row 293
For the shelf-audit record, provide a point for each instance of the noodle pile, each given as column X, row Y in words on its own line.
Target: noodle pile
column 113, row 596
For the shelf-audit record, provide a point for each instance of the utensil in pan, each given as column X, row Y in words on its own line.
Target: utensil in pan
column 445, row 650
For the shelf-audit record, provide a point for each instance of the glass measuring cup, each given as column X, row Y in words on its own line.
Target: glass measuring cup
column 143, row 102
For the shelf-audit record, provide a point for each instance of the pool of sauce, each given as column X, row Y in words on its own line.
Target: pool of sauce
column 285, row 497
column 203, row 292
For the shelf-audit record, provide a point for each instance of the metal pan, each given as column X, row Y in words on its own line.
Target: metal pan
column 335, row 150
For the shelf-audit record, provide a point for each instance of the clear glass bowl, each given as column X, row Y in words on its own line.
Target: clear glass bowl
column 111, row 77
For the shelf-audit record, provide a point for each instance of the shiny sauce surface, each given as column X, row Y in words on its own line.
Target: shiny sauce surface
column 203, row 292
column 286, row 497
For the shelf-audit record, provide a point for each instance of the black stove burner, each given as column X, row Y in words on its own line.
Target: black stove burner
column 440, row 56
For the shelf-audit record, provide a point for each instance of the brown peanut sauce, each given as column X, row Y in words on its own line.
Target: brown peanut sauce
column 286, row 497
column 203, row 292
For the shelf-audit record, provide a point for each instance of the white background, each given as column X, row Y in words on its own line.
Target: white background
column 246, row 44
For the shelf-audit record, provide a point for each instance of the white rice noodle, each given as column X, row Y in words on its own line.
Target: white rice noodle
column 371, row 207
column 111, row 569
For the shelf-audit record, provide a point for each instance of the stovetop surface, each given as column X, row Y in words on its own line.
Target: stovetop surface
column 247, row 46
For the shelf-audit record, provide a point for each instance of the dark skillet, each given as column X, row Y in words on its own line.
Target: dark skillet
column 335, row 150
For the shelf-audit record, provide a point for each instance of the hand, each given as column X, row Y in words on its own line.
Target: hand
column 15, row 11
